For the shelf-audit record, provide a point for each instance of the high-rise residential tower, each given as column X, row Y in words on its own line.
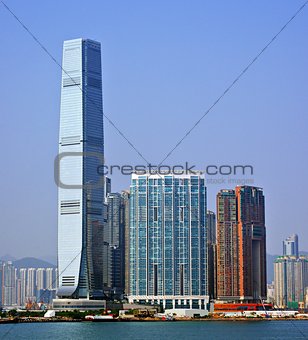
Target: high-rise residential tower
column 40, row 282
column 211, row 252
column 81, row 188
column 31, row 284
column 252, row 242
column 241, row 244
column 115, row 237
column 290, row 246
column 23, row 285
column 211, row 227
column 51, row 278
column 227, row 246
column 168, row 243
column 125, row 196
column 8, row 284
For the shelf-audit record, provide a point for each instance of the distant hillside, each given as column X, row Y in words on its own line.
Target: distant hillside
column 32, row 262
column 51, row 259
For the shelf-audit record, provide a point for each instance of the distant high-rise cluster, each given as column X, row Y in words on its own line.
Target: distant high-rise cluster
column 26, row 287
column 291, row 276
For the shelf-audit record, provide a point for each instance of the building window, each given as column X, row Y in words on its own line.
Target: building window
column 155, row 214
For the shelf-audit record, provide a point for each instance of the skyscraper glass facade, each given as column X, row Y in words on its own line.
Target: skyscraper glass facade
column 290, row 246
column 81, row 195
column 168, row 238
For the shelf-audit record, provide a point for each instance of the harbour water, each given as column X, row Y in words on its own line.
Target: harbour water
column 158, row 330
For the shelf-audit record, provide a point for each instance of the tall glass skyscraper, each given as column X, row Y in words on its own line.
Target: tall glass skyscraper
column 81, row 190
column 290, row 246
column 168, row 264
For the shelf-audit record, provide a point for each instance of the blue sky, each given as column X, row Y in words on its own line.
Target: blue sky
column 164, row 64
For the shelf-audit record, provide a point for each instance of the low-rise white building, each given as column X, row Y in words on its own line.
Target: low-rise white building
column 186, row 312
column 194, row 302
